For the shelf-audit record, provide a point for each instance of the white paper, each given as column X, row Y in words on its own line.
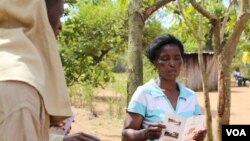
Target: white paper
column 178, row 128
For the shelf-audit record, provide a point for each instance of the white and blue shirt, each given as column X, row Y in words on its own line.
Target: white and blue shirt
column 150, row 102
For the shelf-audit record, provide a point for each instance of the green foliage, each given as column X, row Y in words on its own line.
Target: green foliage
column 152, row 29
column 149, row 70
column 88, row 96
column 82, row 96
column 247, row 31
column 182, row 31
column 92, row 37
column 215, row 7
column 123, row 4
column 147, row 3
column 179, row 27
column 244, row 46
column 70, row 2
column 117, row 104
column 119, row 86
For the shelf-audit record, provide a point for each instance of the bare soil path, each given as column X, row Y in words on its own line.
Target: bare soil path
column 108, row 128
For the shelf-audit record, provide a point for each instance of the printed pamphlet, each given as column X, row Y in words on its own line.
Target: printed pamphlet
column 179, row 128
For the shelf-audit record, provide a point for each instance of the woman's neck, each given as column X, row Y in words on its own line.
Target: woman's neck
column 168, row 85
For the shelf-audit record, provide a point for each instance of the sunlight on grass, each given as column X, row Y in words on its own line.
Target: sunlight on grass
column 84, row 96
column 117, row 104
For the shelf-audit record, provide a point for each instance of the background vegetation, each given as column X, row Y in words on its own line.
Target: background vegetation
column 95, row 43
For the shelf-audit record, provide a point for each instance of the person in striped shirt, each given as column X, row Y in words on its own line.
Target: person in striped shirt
column 154, row 99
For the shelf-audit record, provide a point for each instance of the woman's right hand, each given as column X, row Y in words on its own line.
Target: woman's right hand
column 154, row 131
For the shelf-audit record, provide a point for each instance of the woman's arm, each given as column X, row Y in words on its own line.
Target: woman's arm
column 132, row 129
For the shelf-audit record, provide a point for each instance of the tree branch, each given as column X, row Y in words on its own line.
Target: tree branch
column 203, row 11
column 97, row 59
column 226, row 16
column 236, row 32
column 187, row 22
column 210, row 66
column 151, row 9
column 214, row 20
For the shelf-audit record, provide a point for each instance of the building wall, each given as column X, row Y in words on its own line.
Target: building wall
column 191, row 75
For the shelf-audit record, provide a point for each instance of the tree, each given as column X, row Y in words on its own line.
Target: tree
column 93, row 36
column 224, row 52
column 205, row 73
column 137, row 15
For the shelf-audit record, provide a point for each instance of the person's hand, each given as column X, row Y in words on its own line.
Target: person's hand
column 154, row 131
column 80, row 137
column 196, row 136
column 200, row 135
column 57, row 129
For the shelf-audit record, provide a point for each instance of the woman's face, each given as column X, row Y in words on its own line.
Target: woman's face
column 169, row 62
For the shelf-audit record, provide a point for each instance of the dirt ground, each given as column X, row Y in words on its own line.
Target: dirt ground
column 109, row 129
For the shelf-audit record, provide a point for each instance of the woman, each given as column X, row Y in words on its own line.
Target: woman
column 151, row 101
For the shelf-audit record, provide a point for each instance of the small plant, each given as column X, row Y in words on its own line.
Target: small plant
column 76, row 96
column 110, row 102
column 117, row 101
column 88, row 96
column 82, row 96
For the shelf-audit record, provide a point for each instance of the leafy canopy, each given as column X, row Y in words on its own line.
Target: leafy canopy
column 93, row 35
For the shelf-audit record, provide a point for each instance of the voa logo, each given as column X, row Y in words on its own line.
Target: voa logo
column 236, row 132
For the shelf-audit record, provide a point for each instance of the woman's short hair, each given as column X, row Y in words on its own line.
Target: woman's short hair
column 152, row 52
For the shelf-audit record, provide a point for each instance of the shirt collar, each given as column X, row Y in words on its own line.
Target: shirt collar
column 154, row 90
column 183, row 95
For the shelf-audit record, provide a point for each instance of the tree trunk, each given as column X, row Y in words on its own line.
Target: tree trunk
column 224, row 64
column 136, row 24
column 137, row 15
column 209, row 128
column 224, row 101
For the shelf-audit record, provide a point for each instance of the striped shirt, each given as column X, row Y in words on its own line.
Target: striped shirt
column 150, row 102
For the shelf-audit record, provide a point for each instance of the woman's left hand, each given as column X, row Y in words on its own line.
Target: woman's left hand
column 197, row 136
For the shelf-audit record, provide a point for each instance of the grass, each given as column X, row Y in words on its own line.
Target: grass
column 114, row 101
column 119, row 88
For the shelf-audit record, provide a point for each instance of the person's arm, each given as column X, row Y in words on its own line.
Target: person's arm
column 80, row 137
column 132, row 129
column 74, row 137
column 57, row 133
